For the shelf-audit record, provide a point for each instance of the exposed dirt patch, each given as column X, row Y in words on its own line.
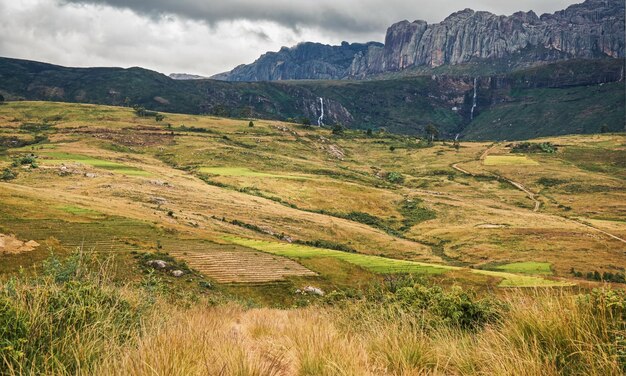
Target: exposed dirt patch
column 9, row 244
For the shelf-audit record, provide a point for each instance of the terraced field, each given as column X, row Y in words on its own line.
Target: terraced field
column 237, row 266
column 382, row 265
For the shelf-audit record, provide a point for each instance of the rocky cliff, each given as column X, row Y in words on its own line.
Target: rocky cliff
column 304, row 61
column 593, row 29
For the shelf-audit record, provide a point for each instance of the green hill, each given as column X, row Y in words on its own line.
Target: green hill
column 560, row 98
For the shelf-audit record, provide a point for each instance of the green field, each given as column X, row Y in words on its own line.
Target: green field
column 383, row 265
column 243, row 172
column 59, row 158
column 528, row 267
column 509, row 160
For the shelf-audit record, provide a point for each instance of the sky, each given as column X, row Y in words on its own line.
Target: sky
column 207, row 37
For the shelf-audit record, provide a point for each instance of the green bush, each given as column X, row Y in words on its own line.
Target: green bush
column 65, row 321
column 395, row 177
column 7, row 174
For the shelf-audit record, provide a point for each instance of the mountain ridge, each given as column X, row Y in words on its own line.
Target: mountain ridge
column 593, row 29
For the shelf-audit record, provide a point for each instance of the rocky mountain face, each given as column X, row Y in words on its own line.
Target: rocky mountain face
column 304, row 61
column 185, row 76
column 593, row 29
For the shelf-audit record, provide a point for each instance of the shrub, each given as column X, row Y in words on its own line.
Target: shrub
column 338, row 129
column 251, row 124
column 65, row 321
column 395, row 177
column 7, row 174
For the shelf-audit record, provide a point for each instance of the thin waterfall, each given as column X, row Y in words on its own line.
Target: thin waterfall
column 474, row 102
column 320, row 120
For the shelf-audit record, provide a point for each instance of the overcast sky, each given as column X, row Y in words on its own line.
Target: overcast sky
column 209, row 36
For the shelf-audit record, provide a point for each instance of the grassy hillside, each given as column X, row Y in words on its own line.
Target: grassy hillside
column 556, row 111
column 481, row 249
column 404, row 105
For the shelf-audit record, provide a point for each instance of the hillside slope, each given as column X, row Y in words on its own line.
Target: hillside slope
column 402, row 105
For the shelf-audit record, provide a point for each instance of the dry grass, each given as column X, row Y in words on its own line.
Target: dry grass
column 544, row 334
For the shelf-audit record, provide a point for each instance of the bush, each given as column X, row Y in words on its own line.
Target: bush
column 251, row 124
column 395, row 177
column 338, row 129
column 64, row 322
column 529, row 147
column 7, row 174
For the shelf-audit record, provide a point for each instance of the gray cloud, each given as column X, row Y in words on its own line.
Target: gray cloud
column 209, row 36
column 357, row 16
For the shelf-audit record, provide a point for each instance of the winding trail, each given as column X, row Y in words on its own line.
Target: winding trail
column 533, row 196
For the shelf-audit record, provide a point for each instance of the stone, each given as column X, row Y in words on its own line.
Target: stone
column 157, row 264
column 314, row 291
column 177, row 273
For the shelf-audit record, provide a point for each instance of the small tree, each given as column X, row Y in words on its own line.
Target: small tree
column 1, row 99
column 392, row 148
column 431, row 133
column 251, row 124
column 306, row 122
column 603, row 129
column 159, row 117
column 368, row 132
column 338, row 129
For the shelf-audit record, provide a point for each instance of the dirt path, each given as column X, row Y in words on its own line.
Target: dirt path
column 533, row 196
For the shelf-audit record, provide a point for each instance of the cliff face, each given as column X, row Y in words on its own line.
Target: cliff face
column 593, row 29
column 304, row 61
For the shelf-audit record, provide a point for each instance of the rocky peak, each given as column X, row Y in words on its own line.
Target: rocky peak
column 593, row 29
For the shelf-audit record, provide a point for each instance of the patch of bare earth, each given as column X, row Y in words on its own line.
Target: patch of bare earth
column 9, row 244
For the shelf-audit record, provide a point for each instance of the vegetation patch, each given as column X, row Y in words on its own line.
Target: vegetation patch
column 531, row 147
column 59, row 157
column 509, row 160
column 243, row 172
column 376, row 264
column 384, row 265
column 528, row 267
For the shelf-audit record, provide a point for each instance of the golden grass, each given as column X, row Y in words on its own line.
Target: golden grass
column 546, row 334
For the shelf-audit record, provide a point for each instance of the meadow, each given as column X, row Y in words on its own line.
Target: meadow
column 434, row 259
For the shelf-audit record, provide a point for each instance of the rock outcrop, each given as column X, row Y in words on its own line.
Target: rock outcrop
column 593, row 29
column 304, row 61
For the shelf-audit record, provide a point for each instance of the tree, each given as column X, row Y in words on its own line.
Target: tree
column 392, row 148
column 1, row 99
column 368, row 132
column 603, row 129
column 159, row 117
column 337, row 129
column 431, row 132
column 306, row 122
column 251, row 124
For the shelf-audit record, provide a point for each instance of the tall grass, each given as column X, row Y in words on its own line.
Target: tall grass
column 75, row 320
column 548, row 333
column 65, row 320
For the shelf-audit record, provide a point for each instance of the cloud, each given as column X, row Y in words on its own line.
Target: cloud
column 355, row 16
column 206, row 36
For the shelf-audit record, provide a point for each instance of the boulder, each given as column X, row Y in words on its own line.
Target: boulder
column 157, row 264
column 314, row 291
column 177, row 273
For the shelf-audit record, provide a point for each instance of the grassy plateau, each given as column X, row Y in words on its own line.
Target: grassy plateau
column 293, row 250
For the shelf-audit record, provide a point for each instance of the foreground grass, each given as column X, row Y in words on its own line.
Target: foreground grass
column 75, row 320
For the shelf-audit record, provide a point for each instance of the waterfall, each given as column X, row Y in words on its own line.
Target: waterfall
column 474, row 101
column 320, row 120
